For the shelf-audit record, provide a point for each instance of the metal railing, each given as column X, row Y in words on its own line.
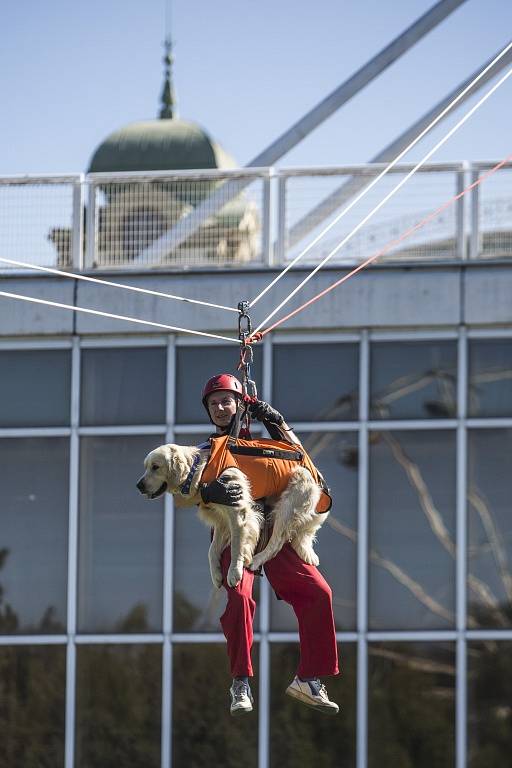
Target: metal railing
column 261, row 216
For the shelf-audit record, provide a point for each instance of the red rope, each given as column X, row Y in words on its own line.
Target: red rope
column 258, row 336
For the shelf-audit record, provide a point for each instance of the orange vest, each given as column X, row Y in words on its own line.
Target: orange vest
column 267, row 463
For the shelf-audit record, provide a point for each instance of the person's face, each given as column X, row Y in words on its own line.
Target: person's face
column 221, row 407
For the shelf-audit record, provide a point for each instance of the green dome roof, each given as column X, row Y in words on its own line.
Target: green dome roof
column 159, row 145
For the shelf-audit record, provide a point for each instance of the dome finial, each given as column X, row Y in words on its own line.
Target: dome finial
column 167, row 98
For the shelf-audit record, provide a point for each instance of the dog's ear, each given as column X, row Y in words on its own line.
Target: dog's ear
column 176, row 464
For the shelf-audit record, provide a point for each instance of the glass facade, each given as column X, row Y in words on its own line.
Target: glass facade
column 34, row 534
column 489, row 708
column 199, row 686
column 489, row 527
column 118, row 720
column 109, row 624
column 297, row 735
column 32, row 710
column 413, row 380
column 411, row 705
column 412, row 511
column 24, row 405
column 120, row 540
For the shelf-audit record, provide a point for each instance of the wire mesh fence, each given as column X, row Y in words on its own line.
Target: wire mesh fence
column 39, row 218
column 313, row 201
column 147, row 221
column 219, row 219
column 493, row 211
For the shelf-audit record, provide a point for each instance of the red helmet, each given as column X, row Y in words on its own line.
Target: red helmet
column 221, row 381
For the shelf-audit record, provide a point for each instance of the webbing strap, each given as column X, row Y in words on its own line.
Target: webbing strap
column 185, row 488
column 236, row 421
column 272, row 453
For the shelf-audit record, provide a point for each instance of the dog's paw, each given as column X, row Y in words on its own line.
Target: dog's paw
column 256, row 563
column 234, row 576
column 216, row 578
column 309, row 556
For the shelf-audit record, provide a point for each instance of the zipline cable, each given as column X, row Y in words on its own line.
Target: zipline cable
column 88, row 279
column 387, row 197
column 115, row 317
column 383, row 173
column 387, row 247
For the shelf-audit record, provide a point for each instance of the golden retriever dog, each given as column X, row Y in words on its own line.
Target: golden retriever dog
column 177, row 470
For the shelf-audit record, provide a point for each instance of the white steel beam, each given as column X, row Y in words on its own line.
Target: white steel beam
column 351, row 187
column 356, row 82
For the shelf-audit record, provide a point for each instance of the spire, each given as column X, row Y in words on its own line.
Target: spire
column 168, row 98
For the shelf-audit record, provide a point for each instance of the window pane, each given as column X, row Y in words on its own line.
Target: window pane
column 205, row 734
column 489, row 709
column 335, row 455
column 32, row 710
column 490, row 377
column 489, row 528
column 300, row 736
column 194, row 366
column 198, row 605
column 123, row 386
column 22, row 404
column 118, row 706
column 413, row 380
column 411, row 705
column 120, row 537
column 412, row 530
column 34, row 541
column 316, row 382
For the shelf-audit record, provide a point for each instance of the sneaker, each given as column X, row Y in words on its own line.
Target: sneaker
column 313, row 694
column 241, row 698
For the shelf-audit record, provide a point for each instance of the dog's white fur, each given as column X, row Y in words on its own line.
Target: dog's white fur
column 294, row 516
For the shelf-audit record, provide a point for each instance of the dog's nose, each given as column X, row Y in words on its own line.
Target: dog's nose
column 140, row 485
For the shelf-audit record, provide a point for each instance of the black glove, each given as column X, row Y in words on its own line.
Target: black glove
column 262, row 411
column 221, row 491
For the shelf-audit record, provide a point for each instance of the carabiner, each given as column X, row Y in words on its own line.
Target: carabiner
column 244, row 333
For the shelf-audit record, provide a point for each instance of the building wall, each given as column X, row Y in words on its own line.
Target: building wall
column 437, row 296
column 111, row 653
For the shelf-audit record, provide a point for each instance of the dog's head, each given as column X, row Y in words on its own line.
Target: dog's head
column 166, row 468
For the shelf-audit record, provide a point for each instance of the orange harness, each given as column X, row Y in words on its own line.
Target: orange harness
column 267, row 463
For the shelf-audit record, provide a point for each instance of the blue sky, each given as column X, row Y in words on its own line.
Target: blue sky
column 246, row 71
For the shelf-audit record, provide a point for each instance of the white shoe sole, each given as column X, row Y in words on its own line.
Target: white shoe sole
column 240, row 711
column 327, row 709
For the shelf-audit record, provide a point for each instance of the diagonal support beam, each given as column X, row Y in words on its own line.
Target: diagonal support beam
column 350, row 188
column 188, row 225
column 356, row 83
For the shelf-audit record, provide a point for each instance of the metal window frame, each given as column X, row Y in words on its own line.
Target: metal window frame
column 489, row 333
column 8, row 640
column 168, row 575
column 72, row 585
column 116, row 342
column 34, row 344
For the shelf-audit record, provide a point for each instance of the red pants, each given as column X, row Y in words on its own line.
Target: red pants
column 306, row 590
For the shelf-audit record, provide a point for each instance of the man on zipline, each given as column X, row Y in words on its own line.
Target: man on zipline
column 299, row 584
